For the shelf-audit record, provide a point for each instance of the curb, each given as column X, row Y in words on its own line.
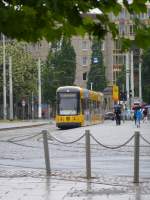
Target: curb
column 24, row 126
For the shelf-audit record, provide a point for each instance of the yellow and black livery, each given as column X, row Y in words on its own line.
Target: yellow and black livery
column 77, row 107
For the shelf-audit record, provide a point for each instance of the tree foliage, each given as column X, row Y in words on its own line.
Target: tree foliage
column 96, row 74
column 34, row 20
column 24, row 71
column 146, row 76
column 59, row 69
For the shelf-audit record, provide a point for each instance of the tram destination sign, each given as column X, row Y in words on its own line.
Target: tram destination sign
column 68, row 95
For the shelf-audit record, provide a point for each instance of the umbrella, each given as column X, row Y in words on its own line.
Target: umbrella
column 135, row 107
column 117, row 106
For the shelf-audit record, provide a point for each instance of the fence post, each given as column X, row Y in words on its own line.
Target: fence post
column 46, row 151
column 88, row 154
column 136, row 156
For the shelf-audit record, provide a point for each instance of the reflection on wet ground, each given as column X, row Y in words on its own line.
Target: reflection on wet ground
column 23, row 176
column 56, row 188
column 26, row 184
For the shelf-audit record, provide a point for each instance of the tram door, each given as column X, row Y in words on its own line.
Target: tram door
column 86, row 111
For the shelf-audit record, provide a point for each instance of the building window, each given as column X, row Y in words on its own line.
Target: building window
column 131, row 29
column 84, row 60
column 142, row 16
column 118, row 59
column 114, row 77
column 84, row 76
column 84, row 45
column 122, row 14
column 122, row 29
column 117, row 45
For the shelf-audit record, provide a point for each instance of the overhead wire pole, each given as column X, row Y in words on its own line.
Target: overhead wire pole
column 127, row 76
column 11, row 114
column 91, row 85
column 32, row 106
column 4, row 80
column 140, row 82
column 132, row 77
column 39, row 90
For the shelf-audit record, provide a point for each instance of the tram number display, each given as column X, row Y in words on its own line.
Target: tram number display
column 68, row 95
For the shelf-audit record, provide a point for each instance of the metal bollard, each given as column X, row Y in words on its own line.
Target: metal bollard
column 88, row 154
column 46, row 151
column 136, row 156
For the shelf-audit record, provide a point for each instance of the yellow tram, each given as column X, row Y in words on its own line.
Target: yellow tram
column 78, row 107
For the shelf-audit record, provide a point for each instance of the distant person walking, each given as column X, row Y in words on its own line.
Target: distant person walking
column 118, row 115
column 145, row 115
column 134, row 116
column 138, row 116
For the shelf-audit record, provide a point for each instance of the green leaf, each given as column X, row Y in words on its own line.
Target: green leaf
column 139, row 6
column 142, row 38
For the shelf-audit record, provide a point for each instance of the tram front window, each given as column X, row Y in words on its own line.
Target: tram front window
column 68, row 104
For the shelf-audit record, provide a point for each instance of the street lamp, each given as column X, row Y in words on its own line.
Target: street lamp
column 127, row 76
column 10, row 90
column 132, row 76
column 4, row 80
column 39, row 90
column 140, row 79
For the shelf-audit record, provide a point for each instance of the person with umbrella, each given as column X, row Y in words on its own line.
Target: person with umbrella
column 117, row 111
column 138, row 116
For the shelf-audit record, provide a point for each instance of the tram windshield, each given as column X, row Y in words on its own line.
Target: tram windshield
column 67, row 104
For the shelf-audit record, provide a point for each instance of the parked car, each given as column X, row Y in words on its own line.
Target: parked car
column 109, row 115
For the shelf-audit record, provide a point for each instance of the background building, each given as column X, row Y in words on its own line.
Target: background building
column 39, row 49
column 82, row 48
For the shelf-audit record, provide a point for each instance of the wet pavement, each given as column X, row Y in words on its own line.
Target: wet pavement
column 4, row 125
column 23, row 175
column 37, row 187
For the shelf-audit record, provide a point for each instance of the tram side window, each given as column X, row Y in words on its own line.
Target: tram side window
column 98, row 107
column 92, row 105
column 95, row 107
column 89, row 105
column 86, row 104
column 83, row 105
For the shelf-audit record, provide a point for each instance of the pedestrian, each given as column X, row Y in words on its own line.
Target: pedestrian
column 138, row 116
column 145, row 115
column 134, row 116
column 118, row 115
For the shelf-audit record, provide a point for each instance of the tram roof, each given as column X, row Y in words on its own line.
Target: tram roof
column 68, row 89
column 85, row 93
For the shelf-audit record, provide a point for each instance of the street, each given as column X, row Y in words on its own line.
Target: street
column 23, row 173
